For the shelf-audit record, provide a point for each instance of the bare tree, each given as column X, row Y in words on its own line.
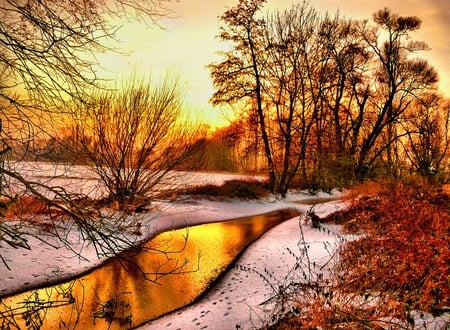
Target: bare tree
column 48, row 48
column 268, row 69
column 292, row 85
column 428, row 136
column 239, row 76
column 48, row 53
column 48, row 58
column 345, row 94
column 135, row 136
column 399, row 81
column 330, row 94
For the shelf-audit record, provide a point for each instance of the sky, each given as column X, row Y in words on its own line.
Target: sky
column 188, row 43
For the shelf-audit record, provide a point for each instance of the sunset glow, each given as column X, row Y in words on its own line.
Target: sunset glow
column 187, row 43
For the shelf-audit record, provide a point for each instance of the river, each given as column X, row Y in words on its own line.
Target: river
column 170, row 271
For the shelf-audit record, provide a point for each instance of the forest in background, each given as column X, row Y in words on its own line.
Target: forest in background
column 321, row 101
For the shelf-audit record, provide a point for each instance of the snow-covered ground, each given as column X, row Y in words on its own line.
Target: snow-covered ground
column 232, row 303
column 235, row 301
column 43, row 263
column 22, row 269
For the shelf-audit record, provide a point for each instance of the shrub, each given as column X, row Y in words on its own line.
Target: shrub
column 399, row 264
column 244, row 189
column 405, row 252
column 25, row 206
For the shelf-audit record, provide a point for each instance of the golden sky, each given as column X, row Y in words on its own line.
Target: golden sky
column 188, row 44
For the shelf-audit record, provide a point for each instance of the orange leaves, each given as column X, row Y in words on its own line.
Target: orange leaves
column 405, row 250
column 30, row 208
column 26, row 205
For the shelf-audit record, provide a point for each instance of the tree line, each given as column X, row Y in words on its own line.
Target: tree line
column 325, row 98
column 320, row 101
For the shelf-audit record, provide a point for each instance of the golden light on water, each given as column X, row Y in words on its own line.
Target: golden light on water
column 173, row 269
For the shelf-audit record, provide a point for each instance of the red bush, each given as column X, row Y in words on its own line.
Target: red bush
column 25, row 206
column 404, row 253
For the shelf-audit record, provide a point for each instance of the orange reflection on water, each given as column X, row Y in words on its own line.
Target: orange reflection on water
column 171, row 271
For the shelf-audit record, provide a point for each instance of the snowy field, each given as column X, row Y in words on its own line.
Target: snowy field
column 83, row 179
column 43, row 263
column 232, row 303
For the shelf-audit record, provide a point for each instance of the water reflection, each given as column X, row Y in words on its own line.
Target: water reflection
column 172, row 270
column 318, row 200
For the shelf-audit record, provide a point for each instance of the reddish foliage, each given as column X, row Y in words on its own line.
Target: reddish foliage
column 405, row 251
column 26, row 205
column 30, row 208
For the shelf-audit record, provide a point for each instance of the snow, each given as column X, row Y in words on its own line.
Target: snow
column 80, row 179
column 43, row 263
column 234, row 302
